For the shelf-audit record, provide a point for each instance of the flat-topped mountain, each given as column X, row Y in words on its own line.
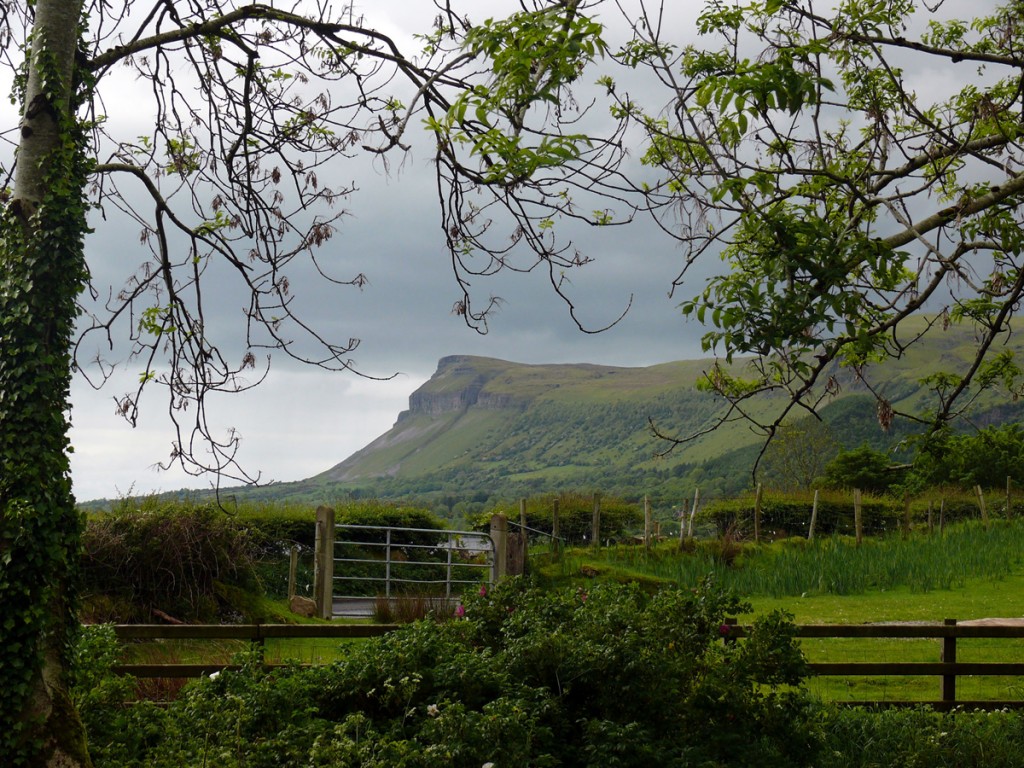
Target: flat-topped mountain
column 482, row 428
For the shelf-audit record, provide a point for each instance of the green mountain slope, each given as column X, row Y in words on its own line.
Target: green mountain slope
column 484, row 429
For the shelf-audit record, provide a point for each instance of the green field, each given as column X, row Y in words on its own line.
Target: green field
column 971, row 572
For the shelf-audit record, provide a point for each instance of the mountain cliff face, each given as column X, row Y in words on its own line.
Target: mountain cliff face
column 460, row 382
column 485, row 425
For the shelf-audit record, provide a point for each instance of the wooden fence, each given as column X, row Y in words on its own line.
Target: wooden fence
column 254, row 633
column 946, row 668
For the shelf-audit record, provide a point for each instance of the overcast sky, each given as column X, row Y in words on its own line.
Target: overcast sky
column 300, row 422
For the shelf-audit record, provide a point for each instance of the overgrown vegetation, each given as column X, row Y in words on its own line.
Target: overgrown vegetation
column 149, row 558
column 610, row 676
column 795, row 567
column 173, row 559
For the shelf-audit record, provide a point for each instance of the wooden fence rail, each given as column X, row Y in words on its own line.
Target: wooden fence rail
column 947, row 669
column 254, row 633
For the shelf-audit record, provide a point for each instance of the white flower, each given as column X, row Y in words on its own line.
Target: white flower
column 214, row 675
column 432, row 710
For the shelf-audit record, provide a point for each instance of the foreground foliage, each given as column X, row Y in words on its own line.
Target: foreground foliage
column 611, row 677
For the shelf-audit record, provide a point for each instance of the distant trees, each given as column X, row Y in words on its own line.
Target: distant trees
column 986, row 458
column 799, row 454
column 863, row 468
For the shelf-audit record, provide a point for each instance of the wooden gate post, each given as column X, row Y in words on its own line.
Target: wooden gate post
column 293, row 569
column 323, row 574
column 499, row 535
column 949, row 657
column 595, row 526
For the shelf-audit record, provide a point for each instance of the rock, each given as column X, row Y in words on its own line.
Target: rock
column 303, row 606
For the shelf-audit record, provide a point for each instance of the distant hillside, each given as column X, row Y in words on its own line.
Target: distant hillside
column 483, row 429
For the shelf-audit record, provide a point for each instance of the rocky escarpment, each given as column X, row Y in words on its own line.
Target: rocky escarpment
column 460, row 382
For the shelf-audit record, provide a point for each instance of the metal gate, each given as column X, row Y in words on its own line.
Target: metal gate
column 372, row 562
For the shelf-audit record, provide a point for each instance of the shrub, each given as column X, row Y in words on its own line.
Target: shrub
column 168, row 557
column 611, row 676
column 790, row 514
column 119, row 733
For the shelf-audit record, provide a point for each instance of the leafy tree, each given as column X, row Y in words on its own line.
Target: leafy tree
column 798, row 454
column 852, row 165
column 250, row 103
column 986, row 458
column 863, row 468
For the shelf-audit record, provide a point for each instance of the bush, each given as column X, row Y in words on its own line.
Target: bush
column 611, row 677
column 790, row 514
column 169, row 557
column 857, row 738
column 119, row 732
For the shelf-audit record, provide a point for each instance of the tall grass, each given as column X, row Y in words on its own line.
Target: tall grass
column 835, row 565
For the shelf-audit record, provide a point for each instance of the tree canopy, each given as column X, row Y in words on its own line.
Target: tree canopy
column 853, row 166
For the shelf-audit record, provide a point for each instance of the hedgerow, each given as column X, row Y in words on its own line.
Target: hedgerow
column 611, row 676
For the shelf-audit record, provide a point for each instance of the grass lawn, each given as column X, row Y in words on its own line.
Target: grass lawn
column 979, row 598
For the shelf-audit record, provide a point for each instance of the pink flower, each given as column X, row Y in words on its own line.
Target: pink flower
column 724, row 630
column 483, row 591
column 460, row 611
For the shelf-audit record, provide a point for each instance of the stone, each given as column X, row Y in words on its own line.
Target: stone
column 303, row 606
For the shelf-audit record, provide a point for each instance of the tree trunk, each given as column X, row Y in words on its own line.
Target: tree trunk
column 42, row 270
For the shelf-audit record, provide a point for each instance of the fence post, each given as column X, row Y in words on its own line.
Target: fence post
column 931, row 520
column 499, row 535
column 293, row 570
column 596, row 523
column 1009, row 500
column 647, row 522
column 693, row 513
column 757, row 513
column 981, row 505
column 728, row 638
column 814, row 518
column 261, row 644
column 323, row 578
column 684, row 514
column 948, row 694
column 555, row 531
column 858, row 519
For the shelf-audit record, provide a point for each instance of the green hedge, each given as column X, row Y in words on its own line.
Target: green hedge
column 790, row 514
column 575, row 515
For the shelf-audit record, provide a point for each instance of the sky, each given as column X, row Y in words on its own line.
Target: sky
column 302, row 421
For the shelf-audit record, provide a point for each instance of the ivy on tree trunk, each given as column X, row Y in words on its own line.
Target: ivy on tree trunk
column 42, row 271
